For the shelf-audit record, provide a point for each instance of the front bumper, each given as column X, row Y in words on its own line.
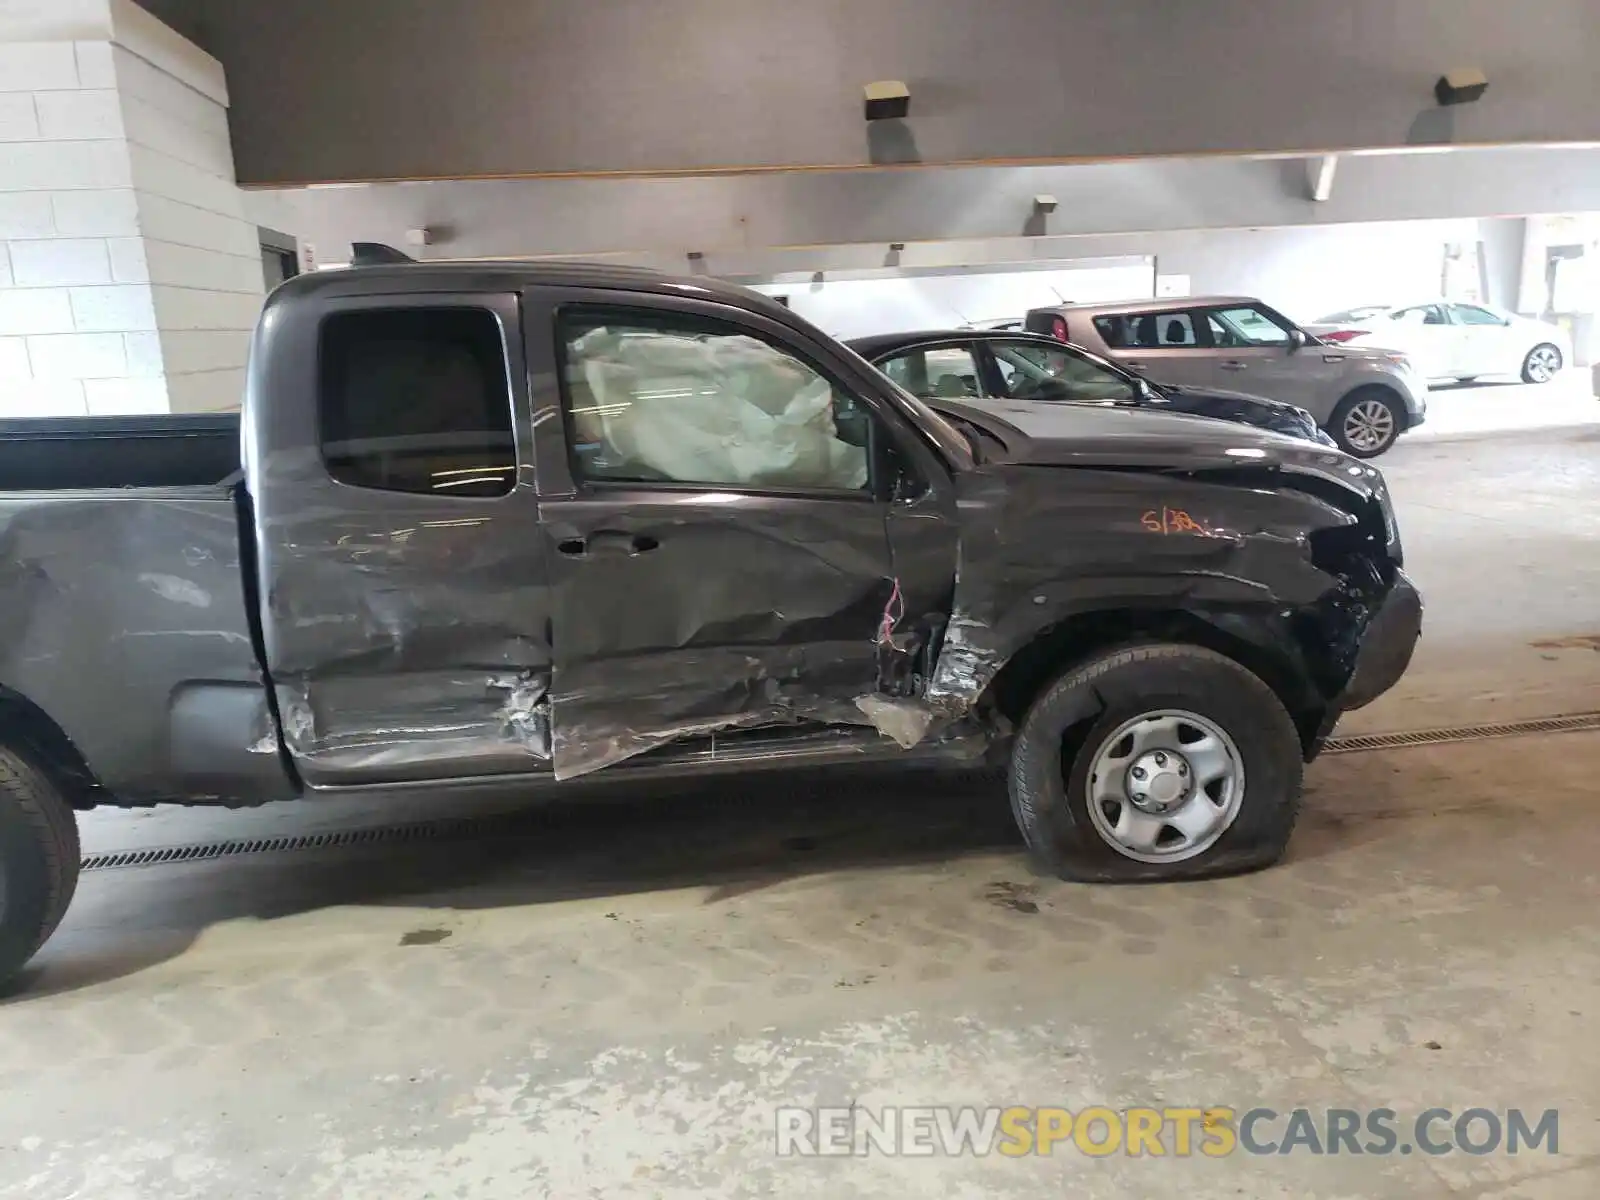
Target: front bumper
column 1386, row 647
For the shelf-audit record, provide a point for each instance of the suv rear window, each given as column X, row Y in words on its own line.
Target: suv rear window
column 1146, row 331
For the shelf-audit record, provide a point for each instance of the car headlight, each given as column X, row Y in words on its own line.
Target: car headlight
column 1399, row 360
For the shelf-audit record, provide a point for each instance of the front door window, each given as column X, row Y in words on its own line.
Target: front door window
column 1246, row 326
column 1032, row 371
column 944, row 372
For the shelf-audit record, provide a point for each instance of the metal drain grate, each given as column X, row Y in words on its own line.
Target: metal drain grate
column 445, row 829
column 463, row 828
column 1572, row 723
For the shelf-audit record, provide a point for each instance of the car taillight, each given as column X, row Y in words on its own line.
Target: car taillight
column 1343, row 335
column 1058, row 327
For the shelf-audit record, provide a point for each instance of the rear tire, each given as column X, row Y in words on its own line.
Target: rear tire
column 1542, row 365
column 1367, row 421
column 39, row 858
column 1069, row 728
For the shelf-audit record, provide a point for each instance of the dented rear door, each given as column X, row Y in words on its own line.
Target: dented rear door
column 714, row 523
column 404, row 600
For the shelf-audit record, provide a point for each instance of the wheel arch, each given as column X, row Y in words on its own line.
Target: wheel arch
column 1076, row 639
column 27, row 728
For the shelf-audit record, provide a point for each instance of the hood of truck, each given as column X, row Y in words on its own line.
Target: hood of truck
column 1095, row 436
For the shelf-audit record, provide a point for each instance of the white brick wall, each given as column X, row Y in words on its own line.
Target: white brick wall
column 44, row 398
column 143, row 353
column 187, row 266
column 37, row 66
column 139, row 80
column 125, row 308
column 189, row 309
column 124, row 397
column 191, row 351
column 167, row 220
column 60, row 166
column 206, row 391
column 19, row 119
column 83, row 115
column 163, row 175
column 112, row 213
column 25, row 215
column 14, row 358
column 36, row 310
column 167, row 134
column 130, row 279
column 128, row 263
column 96, row 64
column 58, row 262
column 78, row 356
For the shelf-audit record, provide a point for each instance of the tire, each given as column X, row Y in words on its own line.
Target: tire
column 1070, row 724
column 1372, row 408
column 39, row 859
column 1543, row 364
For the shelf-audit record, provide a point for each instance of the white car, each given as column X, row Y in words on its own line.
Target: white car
column 1449, row 340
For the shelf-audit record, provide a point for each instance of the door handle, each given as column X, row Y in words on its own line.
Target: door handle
column 1233, row 364
column 1137, row 366
column 607, row 541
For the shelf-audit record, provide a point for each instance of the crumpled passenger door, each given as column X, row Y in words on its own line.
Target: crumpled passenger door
column 719, row 552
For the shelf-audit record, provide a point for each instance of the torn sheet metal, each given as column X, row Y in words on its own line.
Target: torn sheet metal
column 425, row 726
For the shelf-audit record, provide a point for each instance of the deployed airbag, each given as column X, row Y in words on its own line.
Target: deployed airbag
column 713, row 409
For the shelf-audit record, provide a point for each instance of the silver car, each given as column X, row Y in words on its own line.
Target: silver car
column 1364, row 398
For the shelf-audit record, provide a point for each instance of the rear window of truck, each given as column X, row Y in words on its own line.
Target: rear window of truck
column 417, row 400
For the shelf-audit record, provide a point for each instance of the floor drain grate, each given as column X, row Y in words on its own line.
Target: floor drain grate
column 460, row 828
column 1572, row 723
column 382, row 835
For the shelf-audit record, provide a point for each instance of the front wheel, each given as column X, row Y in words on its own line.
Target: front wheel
column 1157, row 762
column 38, row 861
column 1542, row 364
column 1367, row 422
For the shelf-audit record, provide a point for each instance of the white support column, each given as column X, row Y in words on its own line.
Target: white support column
column 129, row 278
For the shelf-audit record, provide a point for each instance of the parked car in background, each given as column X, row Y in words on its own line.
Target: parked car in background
column 1447, row 340
column 1364, row 397
column 971, row 364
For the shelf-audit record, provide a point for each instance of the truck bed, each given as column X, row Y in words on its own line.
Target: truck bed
column 75, row 453
column 127, row 624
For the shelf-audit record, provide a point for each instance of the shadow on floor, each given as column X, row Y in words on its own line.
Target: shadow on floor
column 732, row 839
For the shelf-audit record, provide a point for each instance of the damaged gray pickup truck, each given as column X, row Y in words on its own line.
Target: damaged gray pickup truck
column 507, row 525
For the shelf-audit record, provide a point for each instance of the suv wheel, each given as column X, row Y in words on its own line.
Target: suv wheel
column 38, row 861
column 1366, row 422
column 1156, row 762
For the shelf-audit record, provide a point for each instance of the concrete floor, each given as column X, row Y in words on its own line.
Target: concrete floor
column 612, row 1002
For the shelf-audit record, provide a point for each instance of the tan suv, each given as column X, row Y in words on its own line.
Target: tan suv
column 1364, row 398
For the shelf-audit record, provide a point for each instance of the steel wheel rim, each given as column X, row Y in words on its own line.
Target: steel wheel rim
column 1190, row 792
column 1369, row 425
column 1543, row 364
